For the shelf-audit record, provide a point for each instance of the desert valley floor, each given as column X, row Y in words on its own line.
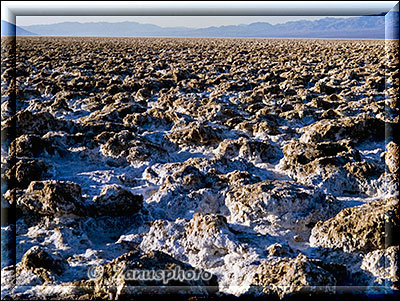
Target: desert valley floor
column 271, row 166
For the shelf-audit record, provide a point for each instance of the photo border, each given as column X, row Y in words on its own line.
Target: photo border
column 194, row 8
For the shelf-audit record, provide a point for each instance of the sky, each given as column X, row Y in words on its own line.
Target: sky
column 43, row 12
column 167, row 21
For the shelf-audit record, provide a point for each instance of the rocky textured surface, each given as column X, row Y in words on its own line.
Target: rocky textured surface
column 384, row 265
column 116, row 201
column 41, row 262
column 285, row 277
column 280, row 205
column 392, row 157
column 52, row 197
column 116, row 282
column 274, row 173
column 362, row 228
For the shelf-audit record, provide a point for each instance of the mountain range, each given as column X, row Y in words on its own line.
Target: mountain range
column 364, row 27
column 9, row 29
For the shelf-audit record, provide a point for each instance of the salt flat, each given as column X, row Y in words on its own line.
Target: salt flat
column 272, row 165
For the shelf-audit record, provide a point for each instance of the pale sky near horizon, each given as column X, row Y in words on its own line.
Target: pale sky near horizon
column 168, row 21
column 177, row 7
column 174, row 13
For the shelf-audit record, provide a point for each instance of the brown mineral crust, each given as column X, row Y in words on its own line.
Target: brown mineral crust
column 25, row 171
column 287, row 277
column 392, row 156
column 358, row 129
column 39, row 260
column 53, row 197
column 117, row 279
column 195, row 133
column 116, row 201
column 362, row 228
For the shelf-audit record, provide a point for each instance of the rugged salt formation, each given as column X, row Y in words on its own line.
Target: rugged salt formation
column 116, row 201
column 42, row 264
column 372, row 230
column 52, row 198
column 383, row 264
column 392, row 156
column 362, row 228
column 279, row 204
column 272, row 173
column 285, row 277
column 118, row 280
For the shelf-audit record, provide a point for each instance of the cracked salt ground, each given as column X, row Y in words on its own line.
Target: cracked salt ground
column 274, row 178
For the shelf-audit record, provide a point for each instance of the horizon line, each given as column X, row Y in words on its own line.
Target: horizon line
column 197, row 27
column 189, row 37
column 181, row 26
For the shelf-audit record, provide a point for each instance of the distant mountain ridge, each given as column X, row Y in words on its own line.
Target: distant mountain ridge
column 9, row 29
column 365, row 27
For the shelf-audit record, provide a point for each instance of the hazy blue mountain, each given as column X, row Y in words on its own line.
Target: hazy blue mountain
column 119, row 29
column 370, row 27
column 9, row 29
